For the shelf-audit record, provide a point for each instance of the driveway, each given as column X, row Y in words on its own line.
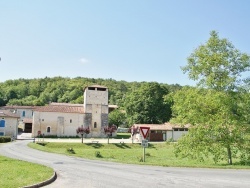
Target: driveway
column 76, row 172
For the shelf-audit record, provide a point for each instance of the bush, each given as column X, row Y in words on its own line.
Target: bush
column 42, row 143
column 71, row 150
column 4, row 139
column 98, row 154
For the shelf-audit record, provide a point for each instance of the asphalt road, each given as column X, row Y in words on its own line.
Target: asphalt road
column 76, row 172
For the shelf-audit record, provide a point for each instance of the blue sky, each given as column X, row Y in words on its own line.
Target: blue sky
column 131, row 40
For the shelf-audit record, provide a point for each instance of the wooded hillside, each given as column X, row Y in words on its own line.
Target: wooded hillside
column 61, row 89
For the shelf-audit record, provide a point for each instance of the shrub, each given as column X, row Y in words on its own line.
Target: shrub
column 71, row 150
column 4, row 139
column 140, row 159
column 98, row 154
column 42, row 143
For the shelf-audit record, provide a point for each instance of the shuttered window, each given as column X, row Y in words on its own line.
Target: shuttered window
column 2, row 123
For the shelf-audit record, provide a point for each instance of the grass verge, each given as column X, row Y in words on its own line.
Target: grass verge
column 160, row 154
column 16, row 173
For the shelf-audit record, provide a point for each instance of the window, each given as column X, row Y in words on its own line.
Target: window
column 95, row 125
column 23, row 113
column 70, row 120
column 101, row 89
column 48, row 129
column 2, row 123
column 91, row 88
column 1, row 133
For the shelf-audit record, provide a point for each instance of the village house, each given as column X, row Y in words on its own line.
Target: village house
column 161, row 132
column 25, row 114
column 8, row 123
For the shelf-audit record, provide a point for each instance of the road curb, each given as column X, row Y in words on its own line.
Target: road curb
column 46, row 182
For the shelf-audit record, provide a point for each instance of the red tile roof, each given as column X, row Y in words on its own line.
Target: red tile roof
column 61, row 108
column 65, row 104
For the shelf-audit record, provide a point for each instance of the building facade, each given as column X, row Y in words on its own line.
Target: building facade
column 8, row 123
column 162, row 132
column 62, row 119
column 25, row 114
column 96, row 109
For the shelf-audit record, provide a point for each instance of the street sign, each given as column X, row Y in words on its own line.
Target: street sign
column 144, row 131
column 144, row 143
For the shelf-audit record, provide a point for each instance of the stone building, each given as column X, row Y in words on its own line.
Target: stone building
column 62, row 119
column 25, row 114
column 96, row 109
column 8, row 123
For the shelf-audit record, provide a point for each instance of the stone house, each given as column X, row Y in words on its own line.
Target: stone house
column 8, row 123
column 25, row 114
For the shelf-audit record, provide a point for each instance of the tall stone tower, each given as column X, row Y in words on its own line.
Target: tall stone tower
column 96, row 109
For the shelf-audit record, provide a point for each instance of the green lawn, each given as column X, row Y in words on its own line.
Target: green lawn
column 160, row 154
column 16, row 173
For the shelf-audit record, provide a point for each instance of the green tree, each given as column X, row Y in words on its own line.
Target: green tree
column 217, row 114
column 218, row 124
column 217, row 64
column 117, row 117
column 146, row 104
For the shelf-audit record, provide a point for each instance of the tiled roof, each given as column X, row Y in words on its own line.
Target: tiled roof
column 60, row 108
column 163, row 127
column 65, row 104
column 7, row 113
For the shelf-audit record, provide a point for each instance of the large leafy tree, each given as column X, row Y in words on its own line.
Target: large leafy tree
column 146, row 104
column 219, row 124
column 217, row 64
column 218, row 112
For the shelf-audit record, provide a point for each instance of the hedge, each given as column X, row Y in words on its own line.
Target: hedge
column 4, row 139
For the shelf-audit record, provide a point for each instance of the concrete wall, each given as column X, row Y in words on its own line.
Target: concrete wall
column 174, row 135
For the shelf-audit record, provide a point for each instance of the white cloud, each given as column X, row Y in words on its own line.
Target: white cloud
column 84, row 60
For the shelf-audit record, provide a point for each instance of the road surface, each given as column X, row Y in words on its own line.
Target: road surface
column 75, row 172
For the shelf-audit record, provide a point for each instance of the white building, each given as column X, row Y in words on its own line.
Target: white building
column 162, row 132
